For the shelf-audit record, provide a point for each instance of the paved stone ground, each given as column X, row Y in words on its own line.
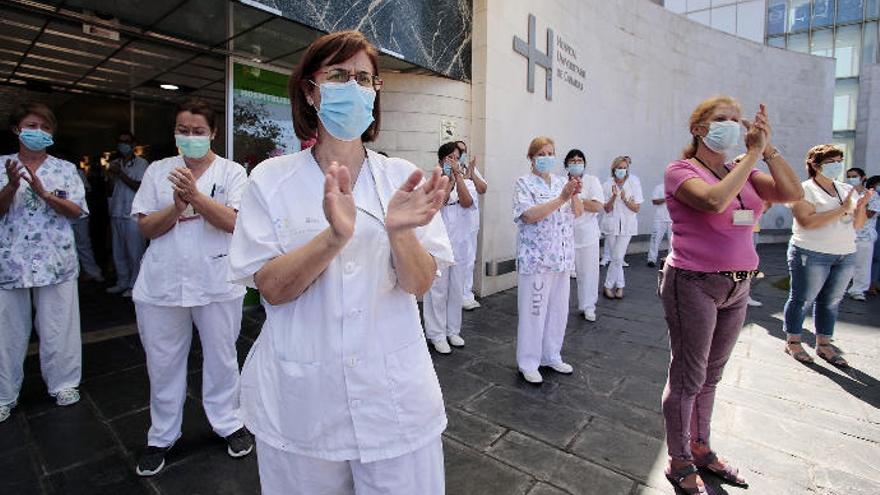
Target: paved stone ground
column 793, row 429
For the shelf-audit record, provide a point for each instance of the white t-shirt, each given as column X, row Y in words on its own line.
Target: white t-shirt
column 586, row 226
column 868, row 233
column 661, row 213
column 120, row 202
column 621, row 220
column 838, row 237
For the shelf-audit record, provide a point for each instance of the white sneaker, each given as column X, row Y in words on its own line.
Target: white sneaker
column 590, row 315
column 753, row 303
column 456, row 341
column 604, row 262
column 469, row 304
column 115, row 289
column 6, row 410
column 563, row 368
column 441, row 346
column 127, row 293
column 625, row 264
column 857, row 296
column 532, row 376
column 67, row 397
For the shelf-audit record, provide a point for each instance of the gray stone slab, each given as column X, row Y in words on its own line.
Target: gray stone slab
column 644, row 394
column 458, row 385
column 512, row 409
column 564, row 470
column 832, row 480
column 470, row 473
column 471, row 430
column 619, row 448
column 545, row 489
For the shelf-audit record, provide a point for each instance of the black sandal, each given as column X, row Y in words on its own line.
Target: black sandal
column 677, row 477
column 728, row 473
column 834, row 358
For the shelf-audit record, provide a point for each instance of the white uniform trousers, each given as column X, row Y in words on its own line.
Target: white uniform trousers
column 57, row 324
column 166, row 333
column 417, row 473
column 442, row 304
column 84, row 248
column 586, row 262
column 661, row 229
column 614, row 276
column 606, row 249
column 861, row 280
column 471, row 257
column 128, row 249
column 542, row 306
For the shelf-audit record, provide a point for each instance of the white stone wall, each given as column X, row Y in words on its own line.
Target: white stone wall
column 413, row 107
column 867, row 152
column 646, row 70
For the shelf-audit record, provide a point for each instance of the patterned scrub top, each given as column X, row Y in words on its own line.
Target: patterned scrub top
column 548, row 245
column 36, row 242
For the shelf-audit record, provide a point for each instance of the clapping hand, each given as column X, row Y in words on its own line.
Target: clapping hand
column 572, row 187
column 758, row 132
column 413, row 206
column 35, row 183
column 13, row 174
column 339, row 207
column 864, row 199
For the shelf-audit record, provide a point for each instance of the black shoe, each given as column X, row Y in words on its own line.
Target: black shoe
column 240, row 443
column 652, row 264
column 152, row 461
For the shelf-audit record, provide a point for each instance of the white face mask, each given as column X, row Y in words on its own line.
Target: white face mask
column 722, row 136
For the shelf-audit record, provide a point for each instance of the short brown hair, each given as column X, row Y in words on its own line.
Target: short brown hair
column 329, row 49
column 701, row 116
column 195, row 106
column 538, row 143
column 819, row 154
column 22, row 110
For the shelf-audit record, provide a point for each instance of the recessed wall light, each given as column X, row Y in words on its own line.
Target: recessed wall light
column 169, row 87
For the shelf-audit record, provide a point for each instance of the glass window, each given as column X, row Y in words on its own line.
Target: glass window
column 849, row 10
column 724, row 19
column 873, row 10
column 749, row 20
column 822, row 43
column 677, row 6
column 846, row 144
column 775, row 17
column 799, row 15
column 823, row 12
column 847, row 50
column 799, row 43
column 778, row 42
column 846, row 96
column 697, row 5
column 869, row 45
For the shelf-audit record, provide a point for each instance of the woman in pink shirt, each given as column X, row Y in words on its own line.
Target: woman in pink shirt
column 704, row 287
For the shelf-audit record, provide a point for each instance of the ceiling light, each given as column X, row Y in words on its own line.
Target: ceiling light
column 169, row 87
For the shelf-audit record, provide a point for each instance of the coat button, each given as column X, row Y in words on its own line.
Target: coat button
column 349, row 268
column 352, row 362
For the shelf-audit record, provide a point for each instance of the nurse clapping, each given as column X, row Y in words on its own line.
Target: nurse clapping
column 186, row 206
column 544, row 208
column 339, row 388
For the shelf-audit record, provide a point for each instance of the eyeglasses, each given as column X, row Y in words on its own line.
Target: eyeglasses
column 363, row 78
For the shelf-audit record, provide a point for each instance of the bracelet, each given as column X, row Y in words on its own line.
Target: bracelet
column 772, row 156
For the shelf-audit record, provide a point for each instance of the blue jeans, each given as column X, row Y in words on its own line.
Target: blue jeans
column 818, row 278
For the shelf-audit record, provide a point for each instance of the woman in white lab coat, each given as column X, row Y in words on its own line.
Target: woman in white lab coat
column 339, row 388
column 586, row 234
column 443, row 303
column 623, row 198
column 187, row 206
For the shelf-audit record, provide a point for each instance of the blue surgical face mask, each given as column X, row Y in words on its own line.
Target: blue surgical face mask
column 544, row 164
column 35, row 139
column 832, row 170
column 722, row 136
column 123, row 148
column 463, row 159
column 346, row 109
column 447, row 169
column 620, row 173
column 193, row 146
column 576, row 169
column 854, row 181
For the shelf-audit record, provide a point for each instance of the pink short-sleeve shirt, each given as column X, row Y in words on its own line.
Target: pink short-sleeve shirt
column 709, row 242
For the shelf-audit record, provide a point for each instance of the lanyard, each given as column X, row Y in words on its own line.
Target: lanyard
column 742, row 205
column 828, row 193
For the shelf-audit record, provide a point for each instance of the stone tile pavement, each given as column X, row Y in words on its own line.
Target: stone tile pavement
column 793, row 429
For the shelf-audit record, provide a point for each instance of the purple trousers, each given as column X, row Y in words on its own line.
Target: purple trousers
column 704, row 313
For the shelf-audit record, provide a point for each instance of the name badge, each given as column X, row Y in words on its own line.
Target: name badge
column 743, row 217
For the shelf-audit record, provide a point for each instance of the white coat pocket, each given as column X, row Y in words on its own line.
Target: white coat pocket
column 414, row 386
column 300, row 417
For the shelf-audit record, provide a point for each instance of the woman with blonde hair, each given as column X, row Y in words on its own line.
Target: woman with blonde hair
column 544, row 208
column 704, row 289
column 623, row 199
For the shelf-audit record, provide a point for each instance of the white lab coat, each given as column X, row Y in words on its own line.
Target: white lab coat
column 586, row 246
column 619, row 225
column 662, row 223
column 342, row 372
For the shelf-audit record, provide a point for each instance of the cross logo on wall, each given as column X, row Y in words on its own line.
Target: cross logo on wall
column 530, row 51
